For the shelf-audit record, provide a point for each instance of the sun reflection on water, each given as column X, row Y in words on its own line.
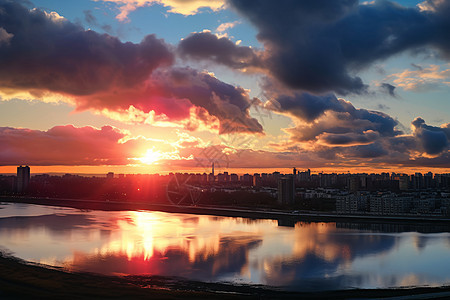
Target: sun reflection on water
column 213, row 248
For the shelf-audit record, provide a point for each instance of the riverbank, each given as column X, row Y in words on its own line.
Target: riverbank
column 287, row 218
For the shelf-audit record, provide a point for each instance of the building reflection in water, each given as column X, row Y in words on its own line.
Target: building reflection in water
column 307, row 256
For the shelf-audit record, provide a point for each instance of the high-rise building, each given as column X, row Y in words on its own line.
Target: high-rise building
column 354, row 183
column 23, row 178
column 221, row 178
column 304, row 176
column 286, row 189
column 257, row 179
column 234, row 178
column 403, row 182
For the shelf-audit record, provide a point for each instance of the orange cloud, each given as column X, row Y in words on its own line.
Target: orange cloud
column 422, row 79
column 184, row 7
column 225, row 26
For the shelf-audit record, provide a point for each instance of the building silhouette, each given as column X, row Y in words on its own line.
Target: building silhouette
column 286, row 189
column 23, row 178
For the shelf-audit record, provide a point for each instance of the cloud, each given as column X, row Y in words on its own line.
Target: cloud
column 78, row 146
column 175, row 94
column 50, row 53
column 388, row 89
column 74, row 146
column 90, row 18
column 339, row 136
column 350, row 138
column 434, row 140
column 5, row 37
column 225, row 26
column 205, row 45
column 319, row 46
column 184, row 7
column 331, row 121
column 430, row 5
column 332, row 130
column 345, row 127
column 52, row 58
column 228, row 103
column 422, row 79
column 69, row 145
column 306, row 106
column 65, row 145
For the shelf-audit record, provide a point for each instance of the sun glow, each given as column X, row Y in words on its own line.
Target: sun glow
column 151, row 156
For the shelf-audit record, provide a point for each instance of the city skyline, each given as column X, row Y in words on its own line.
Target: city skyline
column 159, row 86
column 236, row 171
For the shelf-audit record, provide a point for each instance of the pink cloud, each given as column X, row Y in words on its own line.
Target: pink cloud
column 173, row 92
column 48, row 56
column 65, row 145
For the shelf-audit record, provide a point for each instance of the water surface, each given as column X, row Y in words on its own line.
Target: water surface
column 305, row 257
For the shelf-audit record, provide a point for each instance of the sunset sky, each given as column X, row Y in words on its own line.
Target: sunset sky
column 146, row 86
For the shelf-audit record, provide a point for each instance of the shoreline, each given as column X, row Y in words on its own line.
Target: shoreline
column 289, row 218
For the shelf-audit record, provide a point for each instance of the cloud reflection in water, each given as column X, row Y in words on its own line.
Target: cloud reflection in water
column 308, row 256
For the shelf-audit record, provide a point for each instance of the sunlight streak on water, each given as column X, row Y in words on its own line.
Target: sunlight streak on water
column 308, row 256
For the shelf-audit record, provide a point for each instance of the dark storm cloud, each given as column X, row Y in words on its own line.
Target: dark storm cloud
column 402, row 144
column 307, row 106
column 49, row 52
column 205, row 45
column 350, row 138
column 426, row 146
column 42, row 52
column 331, row 120
column 368, row 151
column 319, row 45
column 434, row 140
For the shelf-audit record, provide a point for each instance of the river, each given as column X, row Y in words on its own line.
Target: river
column 305, row 256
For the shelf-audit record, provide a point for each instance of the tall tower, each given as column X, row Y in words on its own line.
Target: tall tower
column 212, row 171
column 23, row 178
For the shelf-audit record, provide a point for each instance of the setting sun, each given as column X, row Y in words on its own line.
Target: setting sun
column 150, row 157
